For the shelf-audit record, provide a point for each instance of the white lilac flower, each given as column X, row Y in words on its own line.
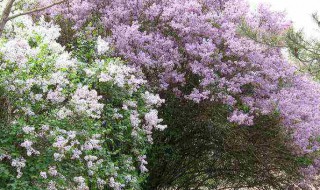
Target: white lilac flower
column 115, row 185
column 101, row 183
column 18, row 163
column 58, row 156
column 53, row 171
column 28, row 145
column 102, row 46
column 152, row 99
column 76, row 154
column 56, row 96
column 153, row 120
column 143, row 163
column 134, row 119
column 81, row 185
column 17, row 50
column 64, row 61
column 60, row 142
column 27, row 129
column 91, row 144
column 63, row 113
column 43, row 175
column 52, row 186
column 86, row 102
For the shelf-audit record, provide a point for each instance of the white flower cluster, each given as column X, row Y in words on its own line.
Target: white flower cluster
column 134, row 119
column 56, row 96
column 101, row 183
column 87, row 101
column 24, row 28
column 28, row 145
column 143, row 163
column 92, row 164
column 81, row 184
column 63, row 113
column 102, row 46
column 152, row 121
column 53, row 171
column 151, row 118
column 64, row 61
column 28, row 129
column 43, row 175
column 52, row 185
column 115, row 185
column 152, row 99
column 58, row 78
column 93, row 143
column 17, row 51
column 122, row 76
column 19, row 163
column 65, row 141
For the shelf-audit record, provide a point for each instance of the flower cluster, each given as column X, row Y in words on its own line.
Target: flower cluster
column 86, row 101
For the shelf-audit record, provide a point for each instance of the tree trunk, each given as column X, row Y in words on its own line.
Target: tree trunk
column 5, row 15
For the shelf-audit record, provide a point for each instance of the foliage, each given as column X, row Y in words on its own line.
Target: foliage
column 304, row 51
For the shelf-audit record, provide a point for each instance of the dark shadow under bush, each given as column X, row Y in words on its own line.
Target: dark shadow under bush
column 200, row 148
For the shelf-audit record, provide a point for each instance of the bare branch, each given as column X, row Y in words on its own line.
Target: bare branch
column 35, row 10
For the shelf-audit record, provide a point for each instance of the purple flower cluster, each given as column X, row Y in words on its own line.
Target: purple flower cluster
column 299, row 106
column 175, row 40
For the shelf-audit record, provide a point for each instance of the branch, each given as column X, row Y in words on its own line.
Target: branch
column 35, row 10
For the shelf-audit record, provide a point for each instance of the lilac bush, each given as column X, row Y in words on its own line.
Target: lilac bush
column 70, row 124
column 195, row 49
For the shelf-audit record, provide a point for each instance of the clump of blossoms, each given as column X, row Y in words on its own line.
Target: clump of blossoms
column 71, row 124
column 194, row 49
